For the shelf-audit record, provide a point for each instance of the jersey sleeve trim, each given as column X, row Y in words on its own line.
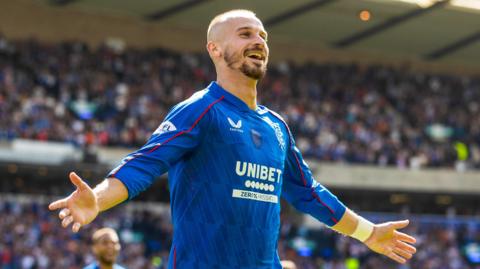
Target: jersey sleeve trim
column 314, row 194
column 175, row 255
column 173, row 137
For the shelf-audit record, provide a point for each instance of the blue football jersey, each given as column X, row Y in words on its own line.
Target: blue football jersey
column 228, row 166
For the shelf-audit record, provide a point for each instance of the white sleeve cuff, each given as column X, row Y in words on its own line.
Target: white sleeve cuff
column 364, row 229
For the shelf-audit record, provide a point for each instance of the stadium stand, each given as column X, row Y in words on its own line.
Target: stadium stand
column 356, row 124
column 86, row 98
column 31, row 238
column 339, row 113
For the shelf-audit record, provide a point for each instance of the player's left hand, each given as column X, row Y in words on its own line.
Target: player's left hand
column 386, row 240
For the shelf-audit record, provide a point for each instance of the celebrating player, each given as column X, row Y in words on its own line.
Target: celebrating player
column 229, row 161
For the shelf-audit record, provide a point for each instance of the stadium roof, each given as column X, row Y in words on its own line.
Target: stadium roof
column 436, row 31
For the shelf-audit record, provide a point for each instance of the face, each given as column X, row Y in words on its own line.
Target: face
column 245, row 47
column 106, row 249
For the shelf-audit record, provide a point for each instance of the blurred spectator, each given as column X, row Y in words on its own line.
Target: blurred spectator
column 340, row 113
column 30, row 237
column 106, row 247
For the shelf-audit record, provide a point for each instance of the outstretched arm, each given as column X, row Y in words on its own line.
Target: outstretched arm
column 83, row 205
column 309, row 196
column 383, row 238
column 181, row 132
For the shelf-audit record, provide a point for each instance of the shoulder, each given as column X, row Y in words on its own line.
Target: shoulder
column 117, row 266
column 277, row 122
column 189, row 113
column 91, row 266
column 274, row 116
column 196, row 104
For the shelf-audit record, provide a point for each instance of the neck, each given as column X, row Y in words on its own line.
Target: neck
column 242, row 87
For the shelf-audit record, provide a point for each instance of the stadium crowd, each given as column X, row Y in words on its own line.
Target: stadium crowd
column 341, row 113
column 31, row 238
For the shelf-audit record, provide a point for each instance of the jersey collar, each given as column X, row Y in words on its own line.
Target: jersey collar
column 218, row 91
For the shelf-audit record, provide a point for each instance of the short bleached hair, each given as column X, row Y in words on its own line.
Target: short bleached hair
column 103, row 231
column 223, row 17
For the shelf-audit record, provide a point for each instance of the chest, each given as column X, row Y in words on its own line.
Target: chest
column 255, row 137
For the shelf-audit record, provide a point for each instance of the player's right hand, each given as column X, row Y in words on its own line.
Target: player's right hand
column 80, row 207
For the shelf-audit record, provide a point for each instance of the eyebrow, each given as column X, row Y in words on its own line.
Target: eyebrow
column 103, row 240
column 251, row 28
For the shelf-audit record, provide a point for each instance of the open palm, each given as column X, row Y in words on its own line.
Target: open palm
column 386, row 240
column 80, row 207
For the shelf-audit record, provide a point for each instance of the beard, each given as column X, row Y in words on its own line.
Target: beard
column 254, row 70
column 106, row 260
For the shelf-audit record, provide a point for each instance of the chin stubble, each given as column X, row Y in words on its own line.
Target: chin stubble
column 256, row 72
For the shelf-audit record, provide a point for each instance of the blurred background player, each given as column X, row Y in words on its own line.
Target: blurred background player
column 105, row 247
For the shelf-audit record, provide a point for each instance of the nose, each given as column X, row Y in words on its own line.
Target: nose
column 259, row 40
column 260, row 43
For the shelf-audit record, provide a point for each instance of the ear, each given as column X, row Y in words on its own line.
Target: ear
column 213, row 49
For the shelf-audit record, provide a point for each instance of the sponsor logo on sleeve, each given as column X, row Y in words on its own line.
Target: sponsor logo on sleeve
column 165, row 127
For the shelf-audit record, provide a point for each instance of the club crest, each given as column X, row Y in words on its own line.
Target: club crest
column 256, row 138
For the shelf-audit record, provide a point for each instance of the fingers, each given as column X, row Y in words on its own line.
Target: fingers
column 402, row 253
column 64, row 213
column 399, row 224
column 406, row 247
column 76, row 227
column 405, row 237
column 77, row 181
column 392, row 255
column 66, row 221
column 58, row 204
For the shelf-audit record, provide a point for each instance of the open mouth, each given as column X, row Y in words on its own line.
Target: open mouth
column 255, row 55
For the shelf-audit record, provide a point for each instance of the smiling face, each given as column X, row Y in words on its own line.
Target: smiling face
column 239, row 42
